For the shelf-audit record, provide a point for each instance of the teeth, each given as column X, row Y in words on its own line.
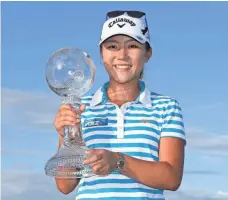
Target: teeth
column 122, row 66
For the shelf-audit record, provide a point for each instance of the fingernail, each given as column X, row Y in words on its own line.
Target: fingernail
column 85, row 162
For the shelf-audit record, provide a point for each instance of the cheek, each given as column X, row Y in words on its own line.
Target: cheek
column 107, row 59
column 138, row 60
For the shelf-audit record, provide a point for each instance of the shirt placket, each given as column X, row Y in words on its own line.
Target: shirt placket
column 120, row 120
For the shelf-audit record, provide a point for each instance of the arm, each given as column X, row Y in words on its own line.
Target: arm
column 165, row 174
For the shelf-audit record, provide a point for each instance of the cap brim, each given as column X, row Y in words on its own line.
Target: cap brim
column 126, row 34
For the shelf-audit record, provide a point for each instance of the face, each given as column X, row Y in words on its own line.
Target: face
column 124, row 58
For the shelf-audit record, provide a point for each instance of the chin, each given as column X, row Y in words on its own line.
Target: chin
column 124, row 80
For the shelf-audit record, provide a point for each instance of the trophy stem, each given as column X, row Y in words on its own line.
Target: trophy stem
column 72, row 134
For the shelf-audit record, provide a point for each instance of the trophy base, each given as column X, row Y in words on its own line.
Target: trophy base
column 68, row 163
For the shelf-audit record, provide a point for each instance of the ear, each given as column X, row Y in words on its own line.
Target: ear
column 148, row 55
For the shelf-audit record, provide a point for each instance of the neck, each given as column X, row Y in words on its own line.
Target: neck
column 121, row 93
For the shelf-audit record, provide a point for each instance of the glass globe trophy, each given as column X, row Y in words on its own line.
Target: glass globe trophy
column 70, row 74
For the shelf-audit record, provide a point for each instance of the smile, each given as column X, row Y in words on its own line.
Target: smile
column 122, row 66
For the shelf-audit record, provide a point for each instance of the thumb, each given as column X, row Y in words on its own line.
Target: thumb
column 82, row 108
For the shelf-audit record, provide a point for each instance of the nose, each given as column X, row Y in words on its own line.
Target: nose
column 122, row 53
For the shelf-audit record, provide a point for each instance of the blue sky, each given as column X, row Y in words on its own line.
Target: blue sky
column 189, row 63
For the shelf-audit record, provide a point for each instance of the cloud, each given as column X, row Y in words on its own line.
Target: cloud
column 28, row 185
column 24, row 152
column 22, row 185
column 29, row 110
column 214, row 105
column 221, row 194
column 196, row 195
column 202, row 172
column 212, row 159
column 198, row 139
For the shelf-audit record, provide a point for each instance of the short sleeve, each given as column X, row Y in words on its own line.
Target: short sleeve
column 173, row 125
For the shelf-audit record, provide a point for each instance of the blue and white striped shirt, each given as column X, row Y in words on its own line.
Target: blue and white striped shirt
column 134, row 129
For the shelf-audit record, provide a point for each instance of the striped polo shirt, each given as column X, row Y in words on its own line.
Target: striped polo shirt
column 134, row 129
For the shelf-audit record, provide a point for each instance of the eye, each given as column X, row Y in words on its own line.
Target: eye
column 112, row 46
column 133, row 46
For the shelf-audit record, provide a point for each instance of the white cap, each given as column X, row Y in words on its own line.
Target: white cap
column 126, row 25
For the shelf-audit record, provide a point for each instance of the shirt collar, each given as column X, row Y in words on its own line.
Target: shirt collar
column 100, row 96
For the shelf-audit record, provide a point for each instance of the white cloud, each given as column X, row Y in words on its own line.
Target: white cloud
column 29, row 110
column 23, row 185
column 199, row 139
column 202, row 172
column 24, row 152
column 212, row 159
column 196, row 195
column 221, row 194
column 214, row 105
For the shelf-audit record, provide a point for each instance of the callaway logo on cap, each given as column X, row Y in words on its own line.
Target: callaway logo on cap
column 124, row 24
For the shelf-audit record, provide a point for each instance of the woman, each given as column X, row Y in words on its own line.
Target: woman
column 139, row 152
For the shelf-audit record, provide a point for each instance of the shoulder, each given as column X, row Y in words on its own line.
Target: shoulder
column 163, row 101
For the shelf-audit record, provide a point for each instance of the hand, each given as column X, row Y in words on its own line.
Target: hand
column 101, row 161
column 67, row 116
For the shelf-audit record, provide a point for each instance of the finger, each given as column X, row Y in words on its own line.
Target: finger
column 92, row 159
column 69, row 113
column 69, row 119
column 65, row 106
column 62, row 123
column 82, row 108
column 98, row 169
column 103, row 171
column 99, row 162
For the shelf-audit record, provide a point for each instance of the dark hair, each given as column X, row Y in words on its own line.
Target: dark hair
column 147, row 46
